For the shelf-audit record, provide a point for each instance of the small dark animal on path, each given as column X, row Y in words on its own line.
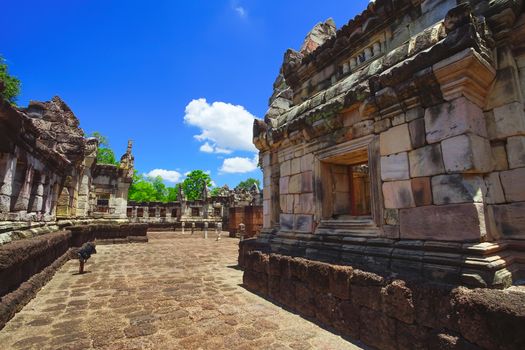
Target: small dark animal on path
column 84, row 253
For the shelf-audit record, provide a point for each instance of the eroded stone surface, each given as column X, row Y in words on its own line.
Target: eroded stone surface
column 176, row 292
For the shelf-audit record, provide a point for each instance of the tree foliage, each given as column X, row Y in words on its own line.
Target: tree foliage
column 152, row 189
column 248, row 183
column 105, row 154
column 11, row 85
column 193, row 184
column 147, row 189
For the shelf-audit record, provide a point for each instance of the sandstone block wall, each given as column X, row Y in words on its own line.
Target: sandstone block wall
column 431, row 104
column 389, row 313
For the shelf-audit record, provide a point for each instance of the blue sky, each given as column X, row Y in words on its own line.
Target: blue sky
column 183, row 79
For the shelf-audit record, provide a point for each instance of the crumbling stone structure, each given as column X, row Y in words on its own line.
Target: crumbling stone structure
column 397, row 143
column 54, row 197
column 228, row 207
column 48, row 170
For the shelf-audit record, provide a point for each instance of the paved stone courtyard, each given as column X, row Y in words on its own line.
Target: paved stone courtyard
column 176, row 292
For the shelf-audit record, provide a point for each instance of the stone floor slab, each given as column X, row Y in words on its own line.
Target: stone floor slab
column 175, row 292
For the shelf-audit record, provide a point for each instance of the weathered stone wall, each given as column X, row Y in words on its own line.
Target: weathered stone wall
column 48, row 167
column 389, row 313
column 428, row 95
column 250, row 216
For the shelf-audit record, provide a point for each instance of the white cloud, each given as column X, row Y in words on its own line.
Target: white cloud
column 238, row 165
column 222, row 150
column 224, row 127
column 167, row 175
column 207, row 148
column 241, row 11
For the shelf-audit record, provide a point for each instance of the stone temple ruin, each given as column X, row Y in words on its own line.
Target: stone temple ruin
column 393, row 207
column 396, row 145
column 54, row 197
column 228, row 207
column 48, row 168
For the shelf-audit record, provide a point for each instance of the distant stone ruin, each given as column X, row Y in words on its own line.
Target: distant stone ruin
column 227, row 207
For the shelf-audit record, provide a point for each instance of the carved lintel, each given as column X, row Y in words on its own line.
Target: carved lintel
column 465, row 74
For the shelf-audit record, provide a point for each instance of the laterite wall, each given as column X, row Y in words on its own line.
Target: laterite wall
column 389, row 313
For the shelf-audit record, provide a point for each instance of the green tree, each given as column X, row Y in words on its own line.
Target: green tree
column 173, row 193
column 193, row 184
column 141, row 189
column 248, row 183
column 9, row 83
column 161, row 192
column 105, row 154
column 215, row 191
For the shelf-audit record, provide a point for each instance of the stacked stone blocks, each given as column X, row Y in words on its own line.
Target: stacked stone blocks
column 386, row 312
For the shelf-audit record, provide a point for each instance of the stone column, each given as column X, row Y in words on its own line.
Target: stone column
column 121, row 199
column 242, row 231
column 22, row 201
column 192, row 228
column 37, row 203
column 206, row 230
column 7, row 171
column 182, row 224
column 83, row 193
column 218, row 230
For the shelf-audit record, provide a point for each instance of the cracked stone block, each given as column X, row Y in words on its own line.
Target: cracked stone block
column 307, row 181
column 286, row 168
column 426, row 161
column 295, row 167
column 512, row 181
column 398, row 194
column 294, row 186
column 510, row 220
column 307, row 203
column 303, row 223
column 507, row 120
column 395, row 167
column 422, row 191
column 494, row 189
column 414, row 113
column 391, row 216
column 453, row 222
column 286, row 222
column 307, row 162
column 454, row 118
column 466, row 153
column 458, row 188
column 395, row 140
column 499, row 156
column 283, row 184
column 516, row 151
column 417, row 132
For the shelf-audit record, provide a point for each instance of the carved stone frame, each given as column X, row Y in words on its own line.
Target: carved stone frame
column 369, row 143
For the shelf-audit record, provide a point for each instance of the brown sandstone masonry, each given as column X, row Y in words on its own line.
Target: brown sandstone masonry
column 389, row 313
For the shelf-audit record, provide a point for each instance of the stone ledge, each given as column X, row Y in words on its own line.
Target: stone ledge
column 386, row 312
column 471, row 264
